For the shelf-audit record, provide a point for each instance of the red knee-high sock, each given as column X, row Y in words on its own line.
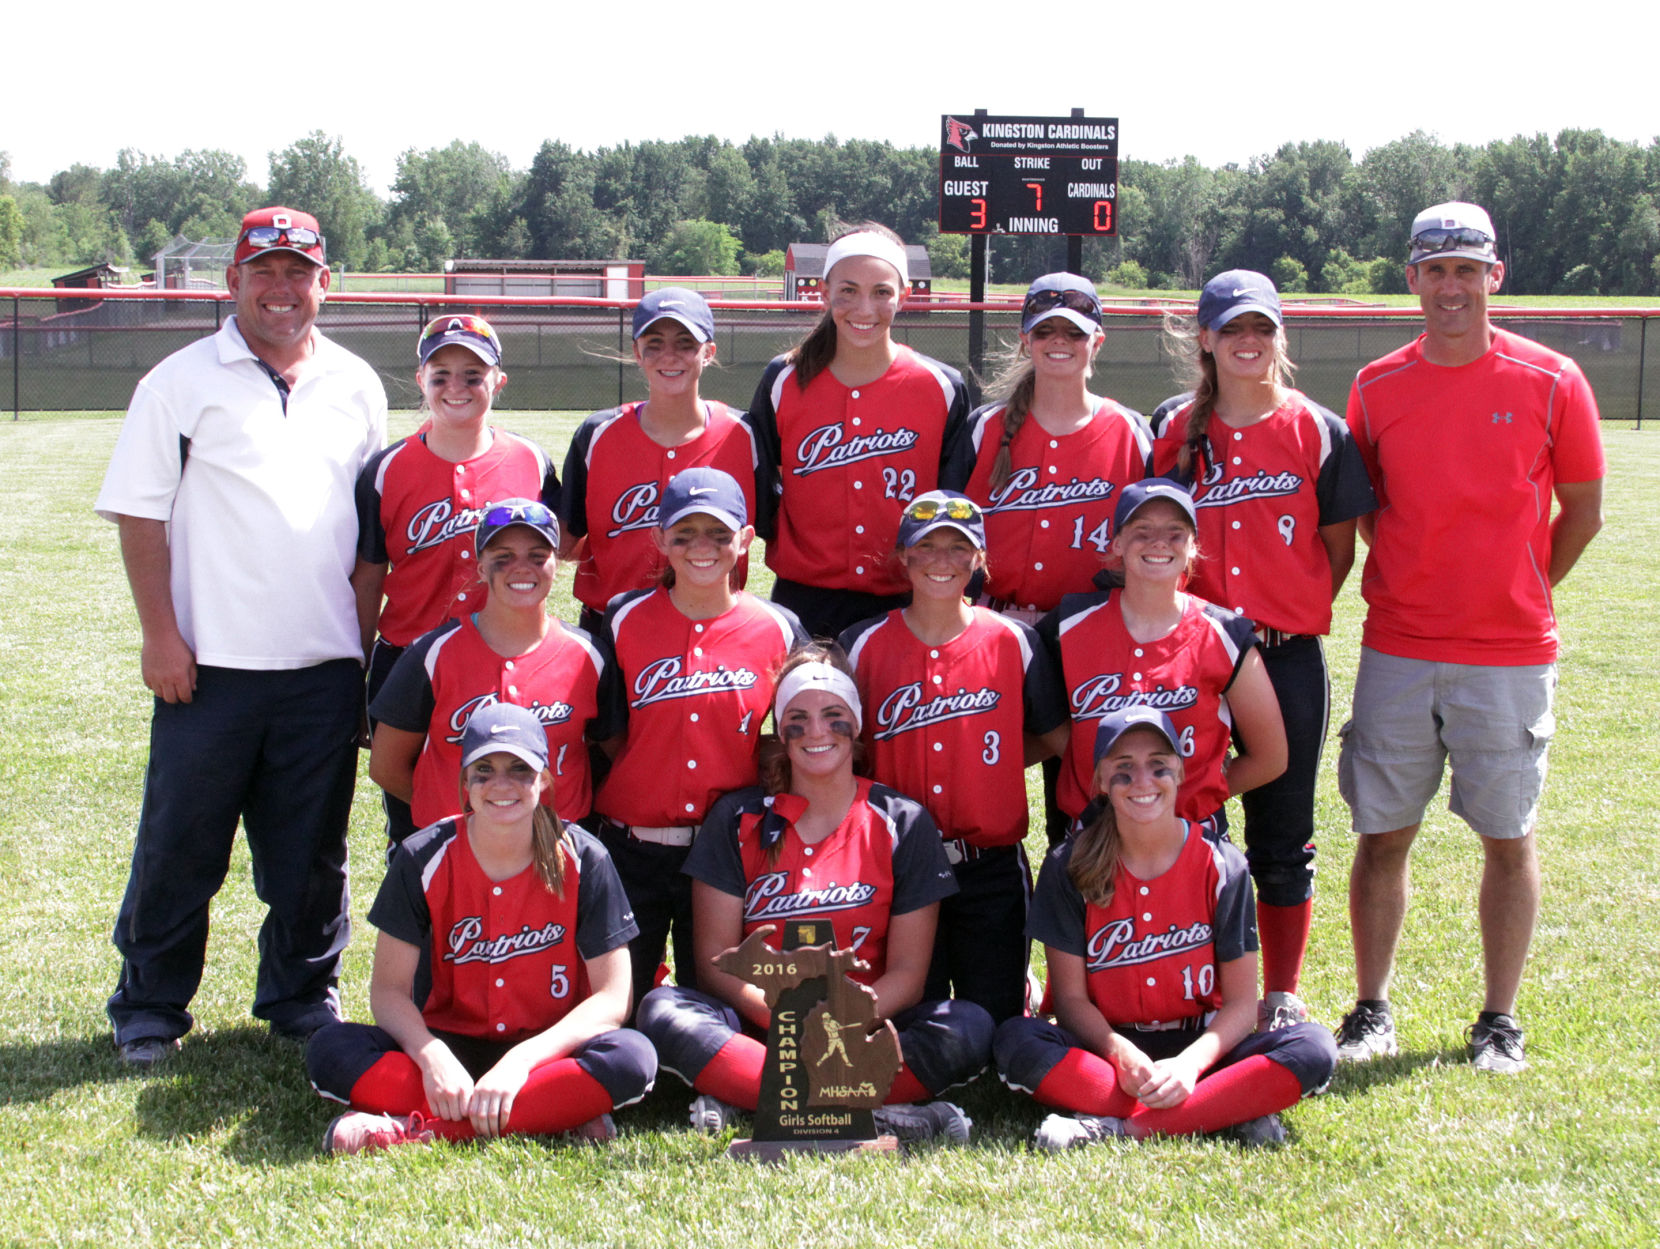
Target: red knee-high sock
column 1249, row 1089
column 734, row 1073
column 907, row 1088
column 1085, row 1084
column 393, row 1086
column 1283, row 931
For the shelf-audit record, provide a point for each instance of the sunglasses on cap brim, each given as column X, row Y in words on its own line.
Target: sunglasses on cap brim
column 1439, row 240
column 953, row 509
column 279, row 236
column 1075, row 301
column 519, row 514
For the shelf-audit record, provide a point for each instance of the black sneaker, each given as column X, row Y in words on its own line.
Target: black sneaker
column 924, row 1122
column 1367, row 1032
column 1496, row 1044
column 147, row 1051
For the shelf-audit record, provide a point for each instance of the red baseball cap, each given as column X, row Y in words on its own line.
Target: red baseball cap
column 280, row 229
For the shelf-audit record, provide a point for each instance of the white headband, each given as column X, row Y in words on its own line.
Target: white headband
column 868, row 243
column 816, row 676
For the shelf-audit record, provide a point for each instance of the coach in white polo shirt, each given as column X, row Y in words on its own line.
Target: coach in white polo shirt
column 232, row 486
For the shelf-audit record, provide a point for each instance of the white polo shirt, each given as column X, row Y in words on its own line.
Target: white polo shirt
column 261, row 525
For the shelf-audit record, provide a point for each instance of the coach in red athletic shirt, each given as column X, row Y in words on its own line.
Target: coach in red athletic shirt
column 1467, row 432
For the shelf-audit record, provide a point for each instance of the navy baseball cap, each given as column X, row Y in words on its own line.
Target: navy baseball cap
column 1115, row 724
column 465, row 330
column 678, row 304
column 510, row 512
column 942, row 509
column 506, row 728
column 1061, row 295
column 1453, row 229
column 1233, row 294
column 1143, row 492
column 703, row 491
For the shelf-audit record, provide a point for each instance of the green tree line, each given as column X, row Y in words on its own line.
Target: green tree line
column 1577, row 214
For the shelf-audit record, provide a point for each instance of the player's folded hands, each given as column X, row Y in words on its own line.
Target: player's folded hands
column 1169, row 1083
column 448, row 1087
column 491, row 1104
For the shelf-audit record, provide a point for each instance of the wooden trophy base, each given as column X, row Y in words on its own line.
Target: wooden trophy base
column 776, row 1151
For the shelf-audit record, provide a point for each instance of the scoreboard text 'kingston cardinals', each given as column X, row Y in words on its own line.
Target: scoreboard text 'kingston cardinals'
column 1028, row 175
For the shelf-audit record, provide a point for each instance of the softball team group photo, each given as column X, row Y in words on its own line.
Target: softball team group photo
column 581, row 815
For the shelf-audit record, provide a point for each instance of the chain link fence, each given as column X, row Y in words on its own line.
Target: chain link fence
column 87, row 353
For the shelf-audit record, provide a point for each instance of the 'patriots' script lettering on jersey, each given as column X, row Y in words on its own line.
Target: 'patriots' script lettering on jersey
column 824, row 447
column 467, row 944
column 664, row 679
column 436, row 523
column 904, row 709
column 1116, row 945
column 1260, row 485
column 765, row 897
column 1099, row 696
column 1021, row 492
column 635, row 508
column 547, row 713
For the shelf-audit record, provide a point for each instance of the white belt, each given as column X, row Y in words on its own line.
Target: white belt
column 664, row 836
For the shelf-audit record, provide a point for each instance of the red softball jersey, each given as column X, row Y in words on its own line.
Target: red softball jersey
column 500, row 960
column 417, row 513
column 1049, row 525
column 947, row 724
column 1262, row 494
column 884, row 859
column 1185, row 674
column 448, row 674
column 1153, row 954
column 847, row 460
column 614, row 476
column 1464, row 461
column 692, row 696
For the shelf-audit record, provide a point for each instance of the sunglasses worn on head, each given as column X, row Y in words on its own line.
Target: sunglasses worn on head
column 954, row 509
column 1431, row 241
column 468, row 324
column 1077, row 301
column 279, row 236
column 519, row 514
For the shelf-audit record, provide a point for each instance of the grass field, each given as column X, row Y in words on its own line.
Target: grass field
column 220, row 1146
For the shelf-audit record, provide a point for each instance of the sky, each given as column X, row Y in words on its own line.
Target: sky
column 1221, row 82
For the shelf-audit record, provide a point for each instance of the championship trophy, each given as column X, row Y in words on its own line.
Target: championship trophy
column 830, row 1058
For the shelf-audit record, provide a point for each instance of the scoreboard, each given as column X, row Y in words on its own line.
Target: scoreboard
column 1028, row 175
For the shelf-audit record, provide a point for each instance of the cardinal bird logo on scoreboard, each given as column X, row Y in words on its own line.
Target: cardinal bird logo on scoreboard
column 959, row 134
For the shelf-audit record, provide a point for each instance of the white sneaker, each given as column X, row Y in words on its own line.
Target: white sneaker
column 924, row 1122
column 711, row 1115
column 1069, row 1131
column 1366, row 1033
column 1279, row 1009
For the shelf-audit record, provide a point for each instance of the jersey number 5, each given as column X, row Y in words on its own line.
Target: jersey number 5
column 561, row 981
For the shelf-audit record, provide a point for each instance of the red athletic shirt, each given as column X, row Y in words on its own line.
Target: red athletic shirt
column 1262, row 494
column 417, row 513
column 500, row 960
column 884, row 859
column 847, row 460
column 1186, row 674
column 947, row 724
column 448, row 674
column 1049, row 526
column 614, row 475
column 1153, row 954
column 1464, row 461
column 692, row 695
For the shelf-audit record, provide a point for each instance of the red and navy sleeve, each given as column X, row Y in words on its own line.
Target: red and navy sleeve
column 406, row 700
column 1057, row 915
column 921, row 873
column 1234, row 926
column 762, row 419
column 715, row 857
column 1343, row 489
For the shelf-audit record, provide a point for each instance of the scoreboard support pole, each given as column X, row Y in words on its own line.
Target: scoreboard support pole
column 978, row 250
column 1075, row 242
